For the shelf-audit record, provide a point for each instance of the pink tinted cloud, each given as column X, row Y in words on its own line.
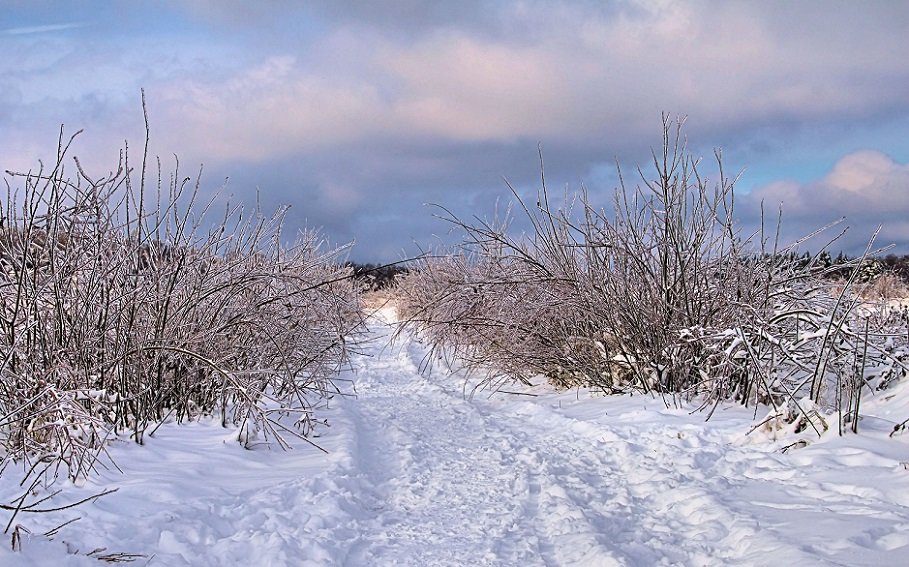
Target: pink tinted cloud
column 864, row 181
column 577, row 76
column 867, row 187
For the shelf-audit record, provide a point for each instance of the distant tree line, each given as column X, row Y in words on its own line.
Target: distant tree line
column 376, row 276
column 896, row 265
column 842, row 265
column 383, row 276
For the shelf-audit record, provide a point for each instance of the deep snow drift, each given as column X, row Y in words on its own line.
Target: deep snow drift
column 420, row 475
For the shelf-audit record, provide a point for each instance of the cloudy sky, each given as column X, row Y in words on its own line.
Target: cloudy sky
column 359, row 113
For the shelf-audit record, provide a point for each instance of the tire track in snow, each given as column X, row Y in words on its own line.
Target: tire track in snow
column 450, row 500
column 473, row 486
column 605, row 484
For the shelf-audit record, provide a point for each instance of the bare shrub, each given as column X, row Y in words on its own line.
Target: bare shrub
column 663, row 294
column 475, row 309
column 886, row 286
column 122, row 305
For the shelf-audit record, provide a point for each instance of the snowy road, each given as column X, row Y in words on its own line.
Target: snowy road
column 418, row 475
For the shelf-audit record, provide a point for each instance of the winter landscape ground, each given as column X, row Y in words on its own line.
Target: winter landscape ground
column 420, row 474
column 408, row 283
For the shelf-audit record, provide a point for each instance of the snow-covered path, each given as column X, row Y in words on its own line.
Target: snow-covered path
column 419, row 475
column 474, row 482
column 457, row 483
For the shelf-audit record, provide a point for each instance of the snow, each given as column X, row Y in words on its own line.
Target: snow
column 420, row 474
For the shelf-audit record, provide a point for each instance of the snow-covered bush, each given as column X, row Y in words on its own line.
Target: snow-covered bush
column 663, row 293
column 489, row 312
column 122, row 306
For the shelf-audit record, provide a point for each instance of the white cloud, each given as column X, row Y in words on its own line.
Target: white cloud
column 47, row 28
column 867, row 187
column 267, row 111
column 866, row 172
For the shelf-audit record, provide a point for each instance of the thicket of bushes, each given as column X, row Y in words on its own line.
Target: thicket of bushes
column 125, row 303
column 662, row 294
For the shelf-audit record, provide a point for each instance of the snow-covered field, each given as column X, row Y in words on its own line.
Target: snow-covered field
column 420, row 475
